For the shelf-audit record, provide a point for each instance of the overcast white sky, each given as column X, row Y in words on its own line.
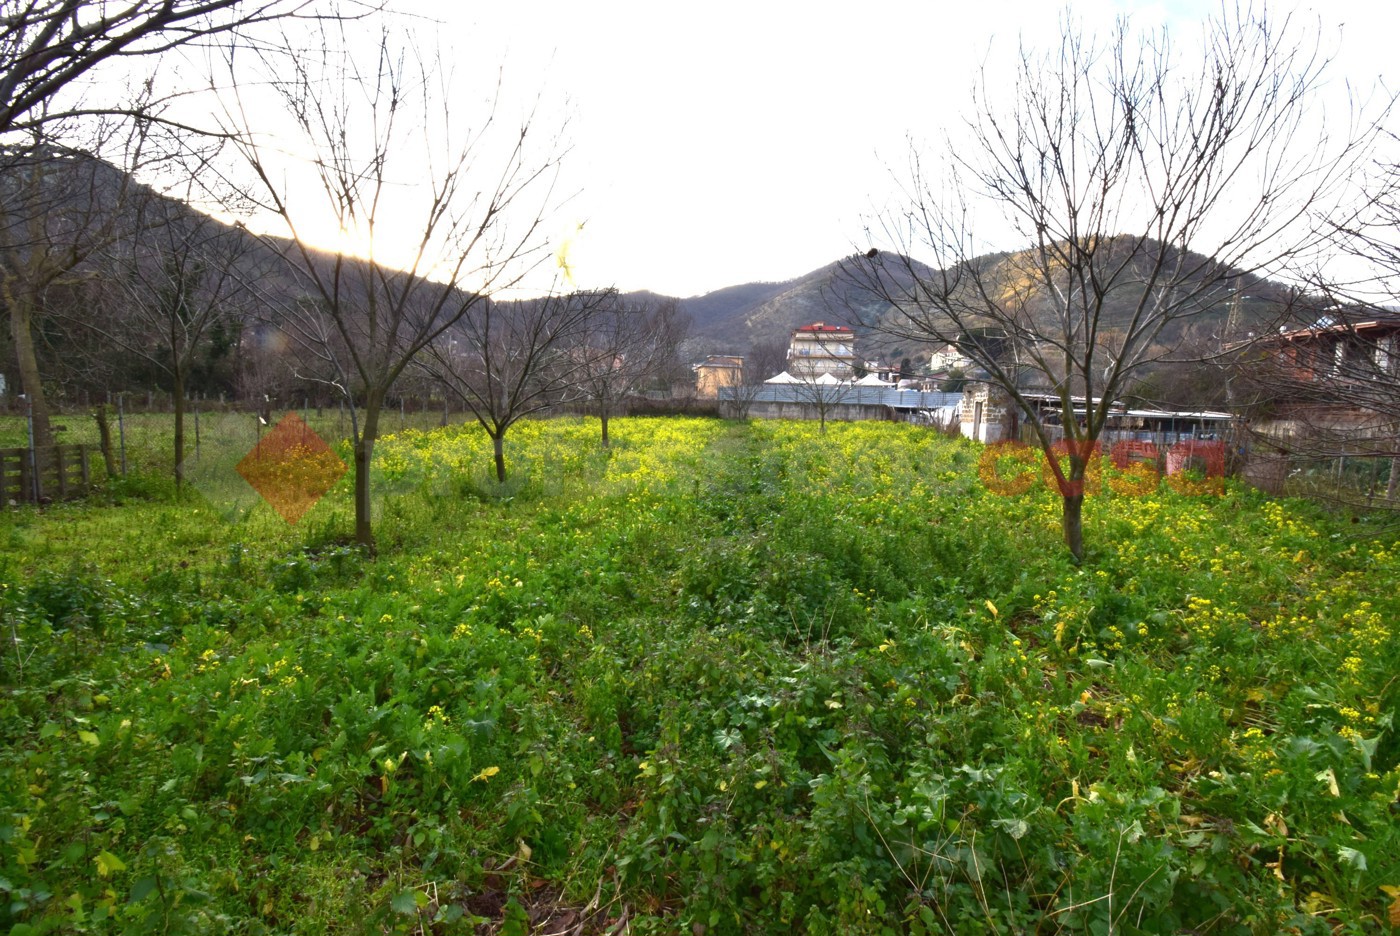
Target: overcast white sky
column 724, row 142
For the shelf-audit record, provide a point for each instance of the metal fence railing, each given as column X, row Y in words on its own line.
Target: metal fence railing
column 841, row 396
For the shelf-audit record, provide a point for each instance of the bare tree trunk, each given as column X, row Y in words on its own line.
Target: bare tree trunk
column 179, row 401
column 364, row 454
column 1072, row 521
column 1393, row 485
column 22, row 334
column 603, row 415
column 498, row 443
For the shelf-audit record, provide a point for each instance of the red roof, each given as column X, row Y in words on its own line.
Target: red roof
column 823, row 327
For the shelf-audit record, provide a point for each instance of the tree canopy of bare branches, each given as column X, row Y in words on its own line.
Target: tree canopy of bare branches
column 623, row 346
column 387, row 131
column 765, row 358
column 1145, row 186
column 1321, row 380
column 58, row 208
column 52, row 110
column 176, row 285
column 508, row 360
column 49, row 46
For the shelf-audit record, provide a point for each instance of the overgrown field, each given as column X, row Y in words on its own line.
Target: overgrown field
column 148, row 439
column 726, row 678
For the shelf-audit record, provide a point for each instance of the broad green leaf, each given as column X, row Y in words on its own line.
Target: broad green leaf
column 448, row 913
column 1368, row 746
column 1352, row 857
column 142, row 889
column 1016, row 828
column 108, row 863
column 516, row 921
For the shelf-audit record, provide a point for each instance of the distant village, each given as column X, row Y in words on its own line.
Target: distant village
column 825, row 371
column 825, row 377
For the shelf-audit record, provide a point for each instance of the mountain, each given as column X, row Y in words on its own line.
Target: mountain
column 732, row 319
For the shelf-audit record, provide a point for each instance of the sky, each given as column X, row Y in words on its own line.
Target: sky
column 721, row 143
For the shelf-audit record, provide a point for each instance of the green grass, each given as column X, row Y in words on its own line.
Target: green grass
column 730, row 677
column 150, row 437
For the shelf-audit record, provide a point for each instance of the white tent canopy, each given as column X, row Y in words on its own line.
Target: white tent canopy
column 871, row 380
column 828, row 380
column 783, row 378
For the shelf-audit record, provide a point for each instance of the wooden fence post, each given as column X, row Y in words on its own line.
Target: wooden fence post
column 104, row 437
column 121, row 428
column 26, row 479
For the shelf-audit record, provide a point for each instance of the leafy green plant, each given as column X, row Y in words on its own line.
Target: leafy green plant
column 740, row 677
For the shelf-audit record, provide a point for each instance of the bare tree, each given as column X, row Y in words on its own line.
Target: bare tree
column 268, row 363
column 509, row 360
column 48, row 47
column 179, row 281
column 625, row 346
column 478, row 214
column 49, row 52
column 822, row 359
column 823, row 393
column 58, row 207
column 1321, row 379
column 1149, row 191
column 764, row 359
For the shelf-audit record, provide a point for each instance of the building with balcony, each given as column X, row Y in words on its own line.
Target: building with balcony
column 820, row 348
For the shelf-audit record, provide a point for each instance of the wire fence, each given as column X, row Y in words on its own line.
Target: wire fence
column 128, row 438
column 1366, row 481
column 140, row 440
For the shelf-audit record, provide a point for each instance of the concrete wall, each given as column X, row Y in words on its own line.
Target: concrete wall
column 986, row 415
column 843, row 412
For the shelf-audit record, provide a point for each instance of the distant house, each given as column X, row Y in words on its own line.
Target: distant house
column 948, row 358
column 716, row 372
column 1328, row 391
column 1340, row 350
column 988, row 414
column 820, row 348
column 885, row 373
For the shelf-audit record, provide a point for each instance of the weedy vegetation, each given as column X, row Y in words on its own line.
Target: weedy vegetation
column 720, row 678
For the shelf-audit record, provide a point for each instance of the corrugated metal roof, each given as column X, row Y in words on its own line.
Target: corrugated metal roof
column 847, row 395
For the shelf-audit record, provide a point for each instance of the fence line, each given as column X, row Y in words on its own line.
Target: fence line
column 126, row 439
column 37, row 475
